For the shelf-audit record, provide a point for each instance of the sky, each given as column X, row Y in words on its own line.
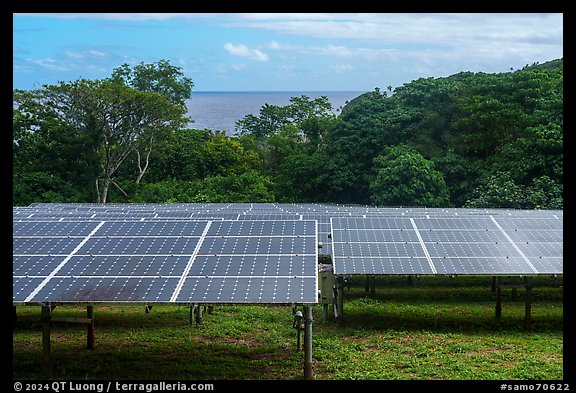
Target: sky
column 282, row 51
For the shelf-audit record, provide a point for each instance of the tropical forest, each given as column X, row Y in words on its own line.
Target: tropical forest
column 472, row 139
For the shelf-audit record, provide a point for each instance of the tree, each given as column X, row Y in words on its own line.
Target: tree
column 159, row 77
column 116, row 118
column 50, row 156
column 372, row 122
column 499, row 191
column 246, row 187
column 405, row 178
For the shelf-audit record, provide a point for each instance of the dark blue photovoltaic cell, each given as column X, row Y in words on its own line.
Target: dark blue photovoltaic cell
column 152, row 228
column 258, row 245
column 123, row 265
column 489, row 266
column 460, row 236
column 548, row 265
column 511, row 224
column 107, row 289
column 539, row 236
column 261, row 228
column 249, row 290
column 34, row 265
column 260, row 265
column 344, row 223
column 22, row 287
column 379, row 249
column 143, row 246
column 475, row 250
column 46, row 246
column 461, row 223
column 541, row 249
column 267, row 217
column 50, row 228
column 381, row 265
column 377, row 236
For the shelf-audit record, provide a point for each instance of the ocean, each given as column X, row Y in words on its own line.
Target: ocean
column 221, row 110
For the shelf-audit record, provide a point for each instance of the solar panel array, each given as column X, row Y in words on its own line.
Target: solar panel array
column 260, row 253
column 513, row 243
column 65, row 253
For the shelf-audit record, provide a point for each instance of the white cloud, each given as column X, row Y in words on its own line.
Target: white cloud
column 242, row 50
column 50, row 64
column 341, row 68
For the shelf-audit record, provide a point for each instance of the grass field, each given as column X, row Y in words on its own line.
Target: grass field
column 438, row 328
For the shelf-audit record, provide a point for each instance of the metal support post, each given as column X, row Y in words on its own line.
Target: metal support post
column 298, row 324
column 372, row 285
column 308, row 342
column 335, row 301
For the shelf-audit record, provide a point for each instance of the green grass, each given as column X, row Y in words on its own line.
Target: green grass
column 438, row 328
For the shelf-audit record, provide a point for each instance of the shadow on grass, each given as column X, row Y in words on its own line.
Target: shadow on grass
column 203, row 361
column 444, row 316
column 131, row 344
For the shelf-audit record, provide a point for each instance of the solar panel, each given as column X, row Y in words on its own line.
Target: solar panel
column 255, row 262
column 180, row 261
column 509, row 243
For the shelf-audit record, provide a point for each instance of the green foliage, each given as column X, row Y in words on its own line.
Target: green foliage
column 469, row 139
column 168, row 191
column 159, row 77
column 246, row 187
column 405, row 178
column 34, row 187
column 225, row 156
column 500, row 190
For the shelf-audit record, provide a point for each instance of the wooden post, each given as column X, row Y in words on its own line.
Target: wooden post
column 367, row 287
column 90, row 329
column 494, row 283
column 308, row 342
column 199, row 314
column 46, row 355
column 372, row 285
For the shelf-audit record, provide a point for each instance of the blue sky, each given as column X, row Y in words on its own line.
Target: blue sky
column 282, row 52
